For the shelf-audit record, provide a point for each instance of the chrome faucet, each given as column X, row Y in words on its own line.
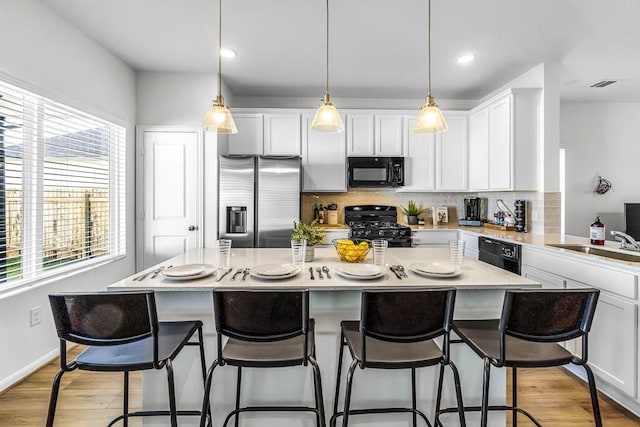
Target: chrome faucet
column 626, row 241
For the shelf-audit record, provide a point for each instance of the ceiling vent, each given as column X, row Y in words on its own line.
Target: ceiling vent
column 604, row 83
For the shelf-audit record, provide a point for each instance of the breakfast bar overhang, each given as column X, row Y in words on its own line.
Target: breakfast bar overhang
column 480, row 290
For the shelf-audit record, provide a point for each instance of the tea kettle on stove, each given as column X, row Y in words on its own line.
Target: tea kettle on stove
column 509, row 218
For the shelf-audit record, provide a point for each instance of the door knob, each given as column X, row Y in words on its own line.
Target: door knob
column 193, row 227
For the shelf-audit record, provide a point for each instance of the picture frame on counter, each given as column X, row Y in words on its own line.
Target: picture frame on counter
column 440, row 215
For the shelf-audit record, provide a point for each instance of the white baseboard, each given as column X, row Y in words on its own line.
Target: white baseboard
column 28, row 370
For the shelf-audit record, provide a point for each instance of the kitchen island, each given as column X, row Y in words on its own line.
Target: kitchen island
column 480, row 291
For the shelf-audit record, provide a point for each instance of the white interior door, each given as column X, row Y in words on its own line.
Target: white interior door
column 169, row 193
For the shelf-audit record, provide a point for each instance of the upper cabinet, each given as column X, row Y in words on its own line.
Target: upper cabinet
column 451, row 154
column 266, row 134
column 419, row 161
column 371, row 134
column 282, row 134
column 323, row 159
column 249, row 139
column 504, row 141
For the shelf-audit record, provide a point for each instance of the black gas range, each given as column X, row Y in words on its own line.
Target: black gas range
column 377, row 222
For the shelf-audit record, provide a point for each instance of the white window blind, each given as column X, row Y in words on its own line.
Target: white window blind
column 62, row 195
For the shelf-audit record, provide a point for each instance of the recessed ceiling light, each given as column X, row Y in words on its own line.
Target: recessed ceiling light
column 226, row 52
column 466, row 58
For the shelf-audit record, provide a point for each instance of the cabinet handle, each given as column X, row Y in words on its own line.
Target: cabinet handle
column 192, row 227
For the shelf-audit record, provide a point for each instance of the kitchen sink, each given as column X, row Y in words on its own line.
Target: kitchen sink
column 621, row 256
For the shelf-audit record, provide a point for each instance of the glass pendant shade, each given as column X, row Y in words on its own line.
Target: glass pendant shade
column 327, row 118
column 219, row 119
column 430, row 119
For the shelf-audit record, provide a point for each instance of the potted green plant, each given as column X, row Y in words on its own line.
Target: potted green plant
column 412, row 211
column 309, row 232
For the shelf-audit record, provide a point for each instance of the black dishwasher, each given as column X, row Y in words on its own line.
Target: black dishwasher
column 501, row 254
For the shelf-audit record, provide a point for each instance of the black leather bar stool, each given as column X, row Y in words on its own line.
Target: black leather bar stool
column 527, row 334
column 123, row 335
column 397, row 331
column 265, row 329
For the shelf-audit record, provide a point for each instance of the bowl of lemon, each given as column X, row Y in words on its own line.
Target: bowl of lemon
column 353, row 250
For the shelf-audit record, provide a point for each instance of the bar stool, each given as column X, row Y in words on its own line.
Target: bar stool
column 123, row 335
column 265, row 329
column 527, row 334
column 397, row 331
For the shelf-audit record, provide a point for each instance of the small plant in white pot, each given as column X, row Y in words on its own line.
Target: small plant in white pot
column 309, row 232
column 412, row 211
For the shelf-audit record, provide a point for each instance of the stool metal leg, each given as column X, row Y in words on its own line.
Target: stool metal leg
column 338, row 377
column 203, row 366
column 347, row 393
column 206, row 398
column 239, row 380
column 436, row 421
column 125, row 402
column 53, row 400
column 318, row 392
column 597, row 418
column 172, row 394
column 456, row 382
column 514, row 396
column 485, row 393
column 413, row 397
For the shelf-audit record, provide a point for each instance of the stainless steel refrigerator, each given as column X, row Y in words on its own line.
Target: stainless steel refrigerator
column 259, row 199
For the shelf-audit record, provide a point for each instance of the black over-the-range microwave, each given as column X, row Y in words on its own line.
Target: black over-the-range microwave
column 376, row 171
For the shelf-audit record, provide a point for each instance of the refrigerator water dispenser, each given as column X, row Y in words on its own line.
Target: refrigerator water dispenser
column 236, row 219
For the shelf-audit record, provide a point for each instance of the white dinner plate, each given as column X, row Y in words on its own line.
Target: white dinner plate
column 360, row 271
column 435, row 269
column 183, row 270
column 258, row 272
column 274, row 269
column 207, row 270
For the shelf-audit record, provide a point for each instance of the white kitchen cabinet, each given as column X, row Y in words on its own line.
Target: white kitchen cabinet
column 451, row 154
column 479, row 150
column 433, row 238
column 371, row 134
column 331, row 234
column 612, row 341
column 249, row 139
column 359, row 129
column 324, row 166
column 282, row 135
column 470, row 244
column 388, row 135
column 419, row 161
column 504, row 142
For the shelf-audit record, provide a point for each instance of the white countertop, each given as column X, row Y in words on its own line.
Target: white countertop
column 476, row 274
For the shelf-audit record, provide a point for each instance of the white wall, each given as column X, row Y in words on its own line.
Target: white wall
column 599, row 139
column 52, row 58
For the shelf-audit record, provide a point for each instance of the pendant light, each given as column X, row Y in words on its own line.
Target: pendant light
column 430, row 119
column 219, row 119
column 327, row 118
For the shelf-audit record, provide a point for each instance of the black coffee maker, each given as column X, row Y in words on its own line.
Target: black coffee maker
column 475, row 212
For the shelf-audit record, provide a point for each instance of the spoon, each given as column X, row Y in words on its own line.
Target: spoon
column 326, row 270
column 401, row 270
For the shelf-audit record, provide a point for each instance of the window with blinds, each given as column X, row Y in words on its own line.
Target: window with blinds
column 62, row 188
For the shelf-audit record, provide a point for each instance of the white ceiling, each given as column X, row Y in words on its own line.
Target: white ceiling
column 378, row 47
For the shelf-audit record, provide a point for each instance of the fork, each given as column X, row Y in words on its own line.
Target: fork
column 400, row 269
column 156, row 272
column 319, row 270
column 245, row 273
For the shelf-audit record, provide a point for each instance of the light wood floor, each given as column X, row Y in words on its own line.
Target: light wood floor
column 90, row 399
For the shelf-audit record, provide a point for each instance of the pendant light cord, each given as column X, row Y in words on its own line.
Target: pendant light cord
column 428, row 44
column 327, row 46
column 219, row 48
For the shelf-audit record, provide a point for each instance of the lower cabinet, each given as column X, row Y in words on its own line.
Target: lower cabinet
column 434, row 238
column 613, row 339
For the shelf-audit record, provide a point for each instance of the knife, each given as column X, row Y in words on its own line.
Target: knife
column 396, row 273
column 224, row 274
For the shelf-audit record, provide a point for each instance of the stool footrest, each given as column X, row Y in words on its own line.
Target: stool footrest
column 492, row 408
column 152, row 414
column 332, row 421
column 270, row 409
